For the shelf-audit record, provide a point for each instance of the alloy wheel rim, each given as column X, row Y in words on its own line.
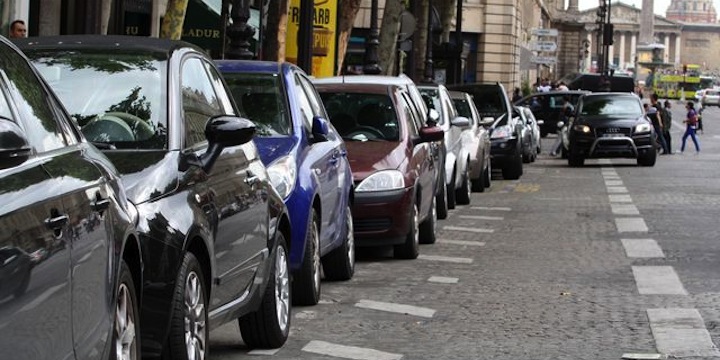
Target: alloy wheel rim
column 282, row 289
column 125, row 334
column 316, row 257
column 350, row 240
column 195, row 322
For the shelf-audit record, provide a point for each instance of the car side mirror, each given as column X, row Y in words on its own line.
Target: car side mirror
column 15, row 149
column 540, row 122
column 430, row 134
column 560, row 124
column 487, row 121
column 221, row 132
column 320, row 129
column 461, row 122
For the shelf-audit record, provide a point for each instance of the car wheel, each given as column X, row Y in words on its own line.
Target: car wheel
column 463, row 193
column 126, row 330
column 478, row 185
column 514, row 170
column 306, row 281
column 269, row 326
column 441, row 200
column 411, row 248
column 429, row 227
column 575, row 159
column 188, row 326
column 488, row 174
column 527, row 156
column 451, row 192
column 647, row 159
column 339, row 264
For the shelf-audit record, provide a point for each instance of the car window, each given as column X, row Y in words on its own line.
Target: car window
column 199, row 101
column 115, row 97
column 313, row 97
column 4, row 105
column 362, row 117
column 306, row 109
column 410, row 115
column 260, row 98
column 432, row 100
column 220, row 89
column 463, row 108
column 611, row 105
column 32, row 108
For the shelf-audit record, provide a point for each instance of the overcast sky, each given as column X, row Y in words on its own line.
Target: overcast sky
column 659, row 8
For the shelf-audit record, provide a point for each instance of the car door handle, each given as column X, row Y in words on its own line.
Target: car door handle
column 56, row 222
column 100, row 204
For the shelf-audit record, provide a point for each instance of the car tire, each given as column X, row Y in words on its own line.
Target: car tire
column 574, row 159
column 269, row 326
column 410, row 249
column 429, row 227
column 451, row 192
column 478, row 185
column 513, row 170
column 647, row 159
column 306, row 280
column 339, row 264
column 441, row 201
column 462, row 194
column 126, row 330
column 487, row 177
column 527, row 156
column 189, row 329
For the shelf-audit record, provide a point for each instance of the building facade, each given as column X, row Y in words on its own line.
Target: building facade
column 692, row 11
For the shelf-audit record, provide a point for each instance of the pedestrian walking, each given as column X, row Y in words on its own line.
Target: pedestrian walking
column 691, row 121
column 655, row 115
column 567, row 110
column 667, row 124
column 517, row 95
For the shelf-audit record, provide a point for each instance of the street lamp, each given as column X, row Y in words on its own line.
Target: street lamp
column 239, row 32
column 428, row 76
column 371, row 62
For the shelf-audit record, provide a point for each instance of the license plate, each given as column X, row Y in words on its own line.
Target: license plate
column 612, row 135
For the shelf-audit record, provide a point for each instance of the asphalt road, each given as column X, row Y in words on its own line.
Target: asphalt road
column 597, row 262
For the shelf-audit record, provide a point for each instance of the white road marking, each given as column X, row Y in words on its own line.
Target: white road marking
column 491, row 208
column 620, row 198
column 266, row 352
column 658, row 280
column 456, row 260
column 631, row 225
column 476, row 217
column 611, row 177
column 681, row 333
column 642, row 248
column 443, row 280
column 616, row 189
column 348, row 352
column 462, row 242
column 396, row 308
column 638, row 356
column 624, row 209
column 466, row 229
column 604, row 162
column 613, row 182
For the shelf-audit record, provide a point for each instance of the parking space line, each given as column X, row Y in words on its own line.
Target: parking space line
column 618, row 198
column 604, row 162
column 681, row 333
column 462, row 242
column 491, row 208
column 611, row 177
column 456, row 260
column 396, row 308
column 658, row 280
column 348, row 352
column 642, row 248
column 466, row 229
column 265, row 352
column 443, row 280
column 610, row 182
column 476, row 217
column 631, row 225
column 624, row 209
column 616, row 189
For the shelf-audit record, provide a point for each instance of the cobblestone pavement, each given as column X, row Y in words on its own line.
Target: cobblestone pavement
column 551, row 281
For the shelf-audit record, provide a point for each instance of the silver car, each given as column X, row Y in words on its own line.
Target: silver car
column 533, row 125
column 711, row 97
column 479, row 137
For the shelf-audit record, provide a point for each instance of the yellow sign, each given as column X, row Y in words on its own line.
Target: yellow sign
column 324, row 36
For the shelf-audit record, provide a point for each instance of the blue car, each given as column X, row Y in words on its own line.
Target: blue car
column 307, row 163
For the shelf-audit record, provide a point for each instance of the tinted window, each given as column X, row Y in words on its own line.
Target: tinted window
column 116, row 97
column 362, row 117
column 463, row 108
column 199, row 101
column 410, row 115
column 260, row 98
column 306, row 110
column 611, row 105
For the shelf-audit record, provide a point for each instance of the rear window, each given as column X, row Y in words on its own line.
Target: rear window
column 362, row 117
column 712, row 92
column 611, row 105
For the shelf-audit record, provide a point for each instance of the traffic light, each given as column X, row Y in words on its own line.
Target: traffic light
column 608, row 30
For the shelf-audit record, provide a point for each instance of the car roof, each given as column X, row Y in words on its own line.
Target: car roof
column 271, row 67
column 454, row 94
column 370, row 88
column 104, row 42
column 365, row 79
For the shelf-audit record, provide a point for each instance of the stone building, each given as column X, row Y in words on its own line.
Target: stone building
column 695, row 11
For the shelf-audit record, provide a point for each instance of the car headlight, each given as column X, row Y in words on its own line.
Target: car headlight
column 282, row 173
column 382, row 181
column 642, row 128
column 501, row 132
column 582, row 128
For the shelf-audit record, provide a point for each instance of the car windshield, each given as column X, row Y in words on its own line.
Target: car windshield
column 260, row 98
column 117, row 98
column 611, row 105
column 362, row 117
column 463, row 107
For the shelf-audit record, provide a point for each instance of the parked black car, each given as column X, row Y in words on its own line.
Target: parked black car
column 62, row 201
column 548, row 107
column 212, row 229
column 506, row 134
column 611, row 125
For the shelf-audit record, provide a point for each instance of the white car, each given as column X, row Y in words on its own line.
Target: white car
column 699, row 94
column 711, row 97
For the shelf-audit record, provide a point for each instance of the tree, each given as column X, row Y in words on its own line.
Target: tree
column 389, row 34
column 276, row 30
column 348, row 12
column 447, row 10
column 420, row 38
column 172, row 25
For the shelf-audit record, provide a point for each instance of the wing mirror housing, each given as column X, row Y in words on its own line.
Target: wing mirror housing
column 461, row 122
column 430, row 134
column 15, row 149
column 320, row 129
column 560, row 124
column 540, row 122
column 221, row 132
column 487, row 121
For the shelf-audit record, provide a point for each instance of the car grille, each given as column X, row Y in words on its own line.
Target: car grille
column 613, row 130
column 372, row 224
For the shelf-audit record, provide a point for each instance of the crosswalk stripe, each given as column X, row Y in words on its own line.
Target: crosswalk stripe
column 681, row 333
column 642, row 248
column 467, row 229
column 457, row 260
column 348, row 352
column 462, row 242
column 657, row 280
column 475, row 217
column 491, row 208
column 396, row 308
column 631, row 225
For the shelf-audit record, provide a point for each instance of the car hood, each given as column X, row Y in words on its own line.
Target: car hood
column 367, row 157
column 146, row 174
column 616, row 121
column 273, row 147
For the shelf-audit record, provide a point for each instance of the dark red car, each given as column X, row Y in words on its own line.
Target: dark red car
column 392, row 164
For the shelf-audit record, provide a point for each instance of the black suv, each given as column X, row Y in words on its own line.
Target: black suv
column 506, row 132
column 548, row 107
column 610, row 125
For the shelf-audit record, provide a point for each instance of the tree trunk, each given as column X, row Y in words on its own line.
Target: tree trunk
column 348, row 12
column 172, row 24
column 388, row 35
column 276, row 30
column 447, row 10
column 420, row 38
